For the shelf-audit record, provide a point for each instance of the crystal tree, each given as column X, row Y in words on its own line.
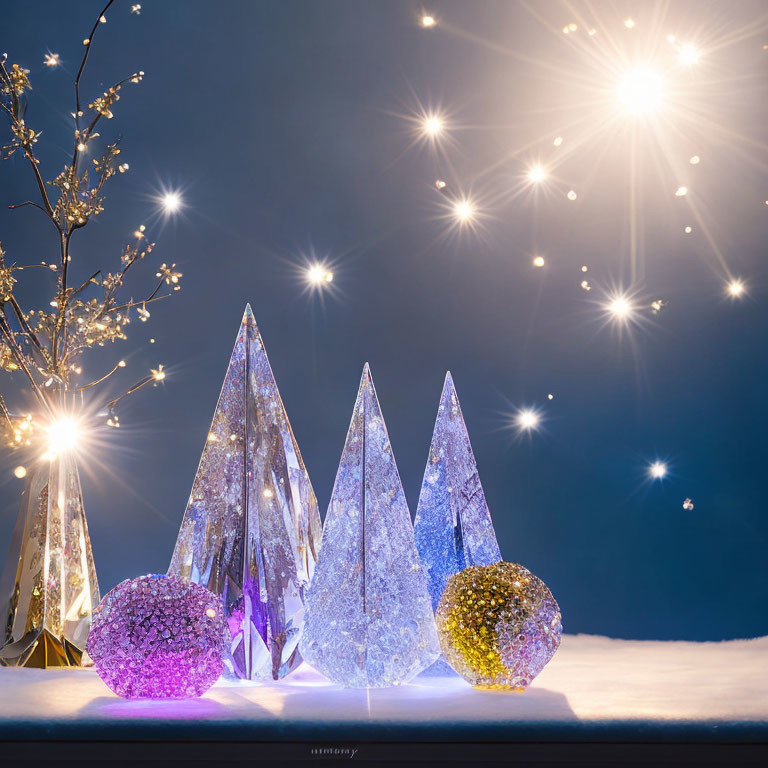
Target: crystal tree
column 252, row 529
column 48, row 588
column 369, row 619
column 453, row 525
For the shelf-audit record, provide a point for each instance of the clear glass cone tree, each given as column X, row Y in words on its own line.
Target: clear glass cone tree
column 48, row 587
column 251, row 530
column 453, row 526
column 369, row 618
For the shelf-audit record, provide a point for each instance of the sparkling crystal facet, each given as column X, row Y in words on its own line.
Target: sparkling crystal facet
column 252, row 529
column 453, row 525
column 48, row 589
column 369, row 619
column 158, row 637
column 498, row 625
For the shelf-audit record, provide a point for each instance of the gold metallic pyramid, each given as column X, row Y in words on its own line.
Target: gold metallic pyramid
column 48, row 587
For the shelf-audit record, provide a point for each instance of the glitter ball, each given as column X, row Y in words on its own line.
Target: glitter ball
column 498, row 625
column 158, row 637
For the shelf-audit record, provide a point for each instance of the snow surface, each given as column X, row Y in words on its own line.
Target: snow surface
column 594, row 686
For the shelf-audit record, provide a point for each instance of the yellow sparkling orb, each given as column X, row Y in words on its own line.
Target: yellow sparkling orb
column 498, row 625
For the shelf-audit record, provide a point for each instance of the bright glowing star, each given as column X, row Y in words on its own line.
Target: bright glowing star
column 681, row 191
column 267, row 493
column 620, row 308
column 440, row 184
column 428, row 21
column 538, row 261
column 558, row 141
column 51, row 60
column 537, row 174
column 20, row 472
column 316, row 274
column 688, row 505
column 629, row 23
column 584, row 267
column 658, row 305
column 527, row 419
column 464, row 211
column 736, row 288
column 63, row 436
column 695, row 160
column 572, row 194
column 641, row 91
column 158, row 374
column 688, row 230
column 433, row 125
column 688, row 55
column 657, row 470
column 171, row 202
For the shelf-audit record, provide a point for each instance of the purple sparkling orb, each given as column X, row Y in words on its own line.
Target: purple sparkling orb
column 158, row 637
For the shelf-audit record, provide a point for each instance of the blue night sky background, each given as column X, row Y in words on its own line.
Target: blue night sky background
column 288, row 127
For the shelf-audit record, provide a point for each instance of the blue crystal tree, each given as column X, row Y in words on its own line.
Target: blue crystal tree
column 453, row 527
column 251, row 530
column 369, row 618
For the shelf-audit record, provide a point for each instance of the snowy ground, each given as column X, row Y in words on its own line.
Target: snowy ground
column 594, row 687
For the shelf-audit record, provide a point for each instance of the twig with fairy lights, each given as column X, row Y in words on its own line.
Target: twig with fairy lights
column 45, row 346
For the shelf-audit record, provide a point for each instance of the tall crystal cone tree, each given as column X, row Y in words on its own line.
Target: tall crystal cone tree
column 369, row 618
column 251, row 530
column 48, row 588
column 453, row 525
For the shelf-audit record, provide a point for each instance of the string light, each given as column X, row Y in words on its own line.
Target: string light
column 641, row 91
column 527, row 420
column 52, row 60
column 428, row 21
column 538, row 261
column 464, row 211
column 171, row 202
column 432, row 126
column 688, row 55
column 537, row 174
column 63, row 436
column 619, row 307
column 657, row 470
column 317, row 274
column 736, row 288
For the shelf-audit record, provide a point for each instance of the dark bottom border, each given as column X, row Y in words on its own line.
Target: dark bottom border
column 223, row 754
